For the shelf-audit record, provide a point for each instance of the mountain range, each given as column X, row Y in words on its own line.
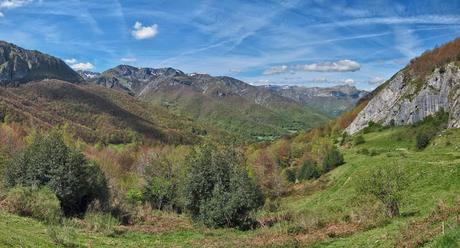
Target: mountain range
column 223, row 104
column 331, row 100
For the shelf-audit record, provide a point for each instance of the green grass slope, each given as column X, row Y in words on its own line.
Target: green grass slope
column 328, row 212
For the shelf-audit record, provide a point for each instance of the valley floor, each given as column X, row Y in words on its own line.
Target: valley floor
column 328, row 212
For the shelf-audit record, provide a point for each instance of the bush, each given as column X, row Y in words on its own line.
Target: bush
column 219, row 191
column 422, row 140
column 40, row 204
column 49, row 162
column 332, row 159
column 358, row 140
column 386, row 183
column 307, row 171
column 164, row 176
column 373, row 127
column 290, row 174
column 134, row 196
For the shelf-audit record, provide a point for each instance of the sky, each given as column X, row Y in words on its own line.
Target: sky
column 283, row 42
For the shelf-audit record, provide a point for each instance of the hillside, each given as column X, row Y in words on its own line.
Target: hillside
column 430, row 83
column 327, row 212
column 18, row 65
column 331, row 100
column 227, row 103
column 94, row 113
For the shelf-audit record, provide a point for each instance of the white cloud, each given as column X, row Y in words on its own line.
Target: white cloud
column 276, row 70
column 348, row 81
column 1, row 14
column 376, row 81
column 10, row 4
column 345, row 65
column 70, row 61
column 128, row 59
column 141, row 32
column 73, row 63
column 82, row 66
column 336, row 66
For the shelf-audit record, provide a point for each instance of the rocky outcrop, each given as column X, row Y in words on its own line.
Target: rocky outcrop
column 403, row 100
column 88, row 75
column 18, row 65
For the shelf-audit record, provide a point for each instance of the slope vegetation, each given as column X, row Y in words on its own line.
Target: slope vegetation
column 94, row 113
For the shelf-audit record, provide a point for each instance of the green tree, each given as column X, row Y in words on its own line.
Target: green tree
column 49, row 162
column 219, row 191
column 164, row 174
column 307, row 171
column 332, row 159
column 387, row 184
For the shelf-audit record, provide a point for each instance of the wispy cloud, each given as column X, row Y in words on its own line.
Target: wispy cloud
column 128, row 59
column 141, row 32
column 276, row 70
column 335, row 66
column 407, row 42
column 376, row 80
column 11, row 4
column 396, row 20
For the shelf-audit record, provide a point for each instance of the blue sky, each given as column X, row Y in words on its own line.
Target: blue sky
column 311, row 43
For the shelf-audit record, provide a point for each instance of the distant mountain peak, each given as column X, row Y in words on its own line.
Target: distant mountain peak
column 333, row 100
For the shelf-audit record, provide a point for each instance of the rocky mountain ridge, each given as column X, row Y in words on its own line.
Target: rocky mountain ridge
column 18, row 65
column 429, row 84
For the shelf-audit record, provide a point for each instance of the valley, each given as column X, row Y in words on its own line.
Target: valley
column 317, row 124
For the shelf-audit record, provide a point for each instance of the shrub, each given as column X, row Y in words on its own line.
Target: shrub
column 164, row 178
column 373, row 127
column 134, row 196
column 332, row 159
column 422, row 140
column 307, row 171
column 219, row 191
column 386, row 183
column 358, row 140
column 47, row 161
column 40, row 204
column 290, row 174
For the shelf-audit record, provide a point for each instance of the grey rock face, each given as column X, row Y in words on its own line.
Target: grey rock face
column 401, row 102
column 18, row 65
